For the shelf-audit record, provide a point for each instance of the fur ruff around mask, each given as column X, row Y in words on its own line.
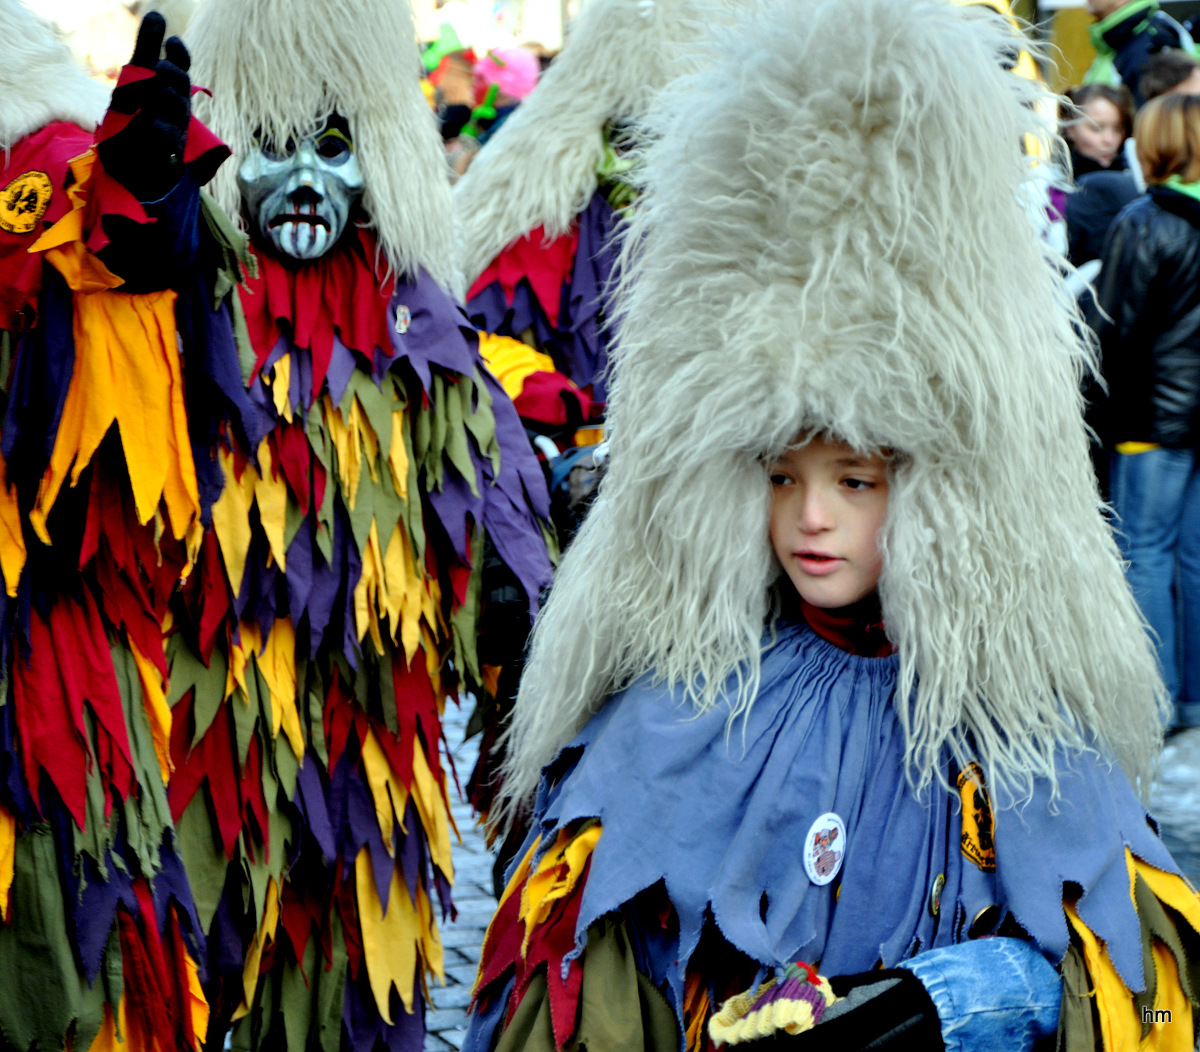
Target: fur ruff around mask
column 39, row 80
column 281, row 67
column 540, row 167
column 831, row 239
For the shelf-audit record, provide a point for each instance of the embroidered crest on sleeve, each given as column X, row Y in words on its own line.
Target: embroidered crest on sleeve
column 24, row 201
column 978, row 825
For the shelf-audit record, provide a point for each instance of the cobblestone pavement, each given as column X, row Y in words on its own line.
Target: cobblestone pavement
column 1175, row 801
column 462, row 938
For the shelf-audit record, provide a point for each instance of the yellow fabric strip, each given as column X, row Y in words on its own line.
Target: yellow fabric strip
column 63, row 243
column 1132, row 448
column 281, row 382
column 389, row 939
column 696, row 1011
column 231, row 519
column 239, row 658
column 389, row 795
column 513, row 887
column 431, row 942
column 428, row 798
column 555, row 877
column 512, row 362
column 106, row 1039
column 368, row 593
column 197, row 1002
column 1120, row 1023
column 8, row 855
column 277, row 663
column 158, row 712
column 1171, row 1027
column 12, row 539
column 398, row 455
column 127, row 372
column 1168, row 888
column 271, row 496
column 265, row 934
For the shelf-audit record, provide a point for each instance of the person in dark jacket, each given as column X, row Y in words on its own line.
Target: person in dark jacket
column 1149, row 292
column 1126, row 34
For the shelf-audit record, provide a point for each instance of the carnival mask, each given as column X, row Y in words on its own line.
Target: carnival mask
column 300, row 196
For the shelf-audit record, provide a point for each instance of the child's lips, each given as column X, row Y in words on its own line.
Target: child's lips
column 818, row 564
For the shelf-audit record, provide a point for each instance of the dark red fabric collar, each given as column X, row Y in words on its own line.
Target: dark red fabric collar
column 309, row 302
column 857, row 629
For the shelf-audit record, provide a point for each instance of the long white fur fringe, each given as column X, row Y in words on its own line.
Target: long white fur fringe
column 39, row 80
column 830, row 238
column 540, row 167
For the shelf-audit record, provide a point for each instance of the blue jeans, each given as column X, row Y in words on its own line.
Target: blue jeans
column 990, row 994
column 1156, row 497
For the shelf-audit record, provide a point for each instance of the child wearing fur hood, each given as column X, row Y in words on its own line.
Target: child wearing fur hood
column 835, row 724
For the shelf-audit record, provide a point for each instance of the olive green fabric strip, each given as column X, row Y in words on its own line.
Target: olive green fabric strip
column 1076, row 1018
column 619, row 1007
column 37, row 966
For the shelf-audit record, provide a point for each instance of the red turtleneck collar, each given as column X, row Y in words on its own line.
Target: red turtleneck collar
column 857, row 628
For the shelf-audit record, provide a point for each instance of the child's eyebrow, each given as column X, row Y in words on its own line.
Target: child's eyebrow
column 855, row 462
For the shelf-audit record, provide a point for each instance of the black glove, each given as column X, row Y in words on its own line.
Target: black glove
column 146, row 157
column 885, row 1010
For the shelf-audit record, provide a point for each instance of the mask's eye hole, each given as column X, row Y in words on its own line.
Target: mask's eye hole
column 334, row 146
column 274, row 152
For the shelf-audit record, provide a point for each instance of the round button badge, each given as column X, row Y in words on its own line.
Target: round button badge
column 824, row 848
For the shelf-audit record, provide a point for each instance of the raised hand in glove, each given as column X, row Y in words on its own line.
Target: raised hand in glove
column 146, row 156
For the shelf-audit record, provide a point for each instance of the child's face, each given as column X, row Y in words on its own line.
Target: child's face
column 828, row 504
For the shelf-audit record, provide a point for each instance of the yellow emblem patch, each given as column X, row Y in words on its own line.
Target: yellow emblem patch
column 24, row 201
column 978, row 825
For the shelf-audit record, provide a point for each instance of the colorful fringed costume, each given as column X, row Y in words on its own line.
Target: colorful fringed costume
column 245, row 512
column 930, row 796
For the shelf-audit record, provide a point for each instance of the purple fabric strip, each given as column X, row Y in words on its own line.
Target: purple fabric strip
column 409, row 855
column 341, row 367
column 455, row 504
column 589, row 300
column 310, row 799
column 436, row 331
column 516, row 499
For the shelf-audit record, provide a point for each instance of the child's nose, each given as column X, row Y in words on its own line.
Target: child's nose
column 814, row 513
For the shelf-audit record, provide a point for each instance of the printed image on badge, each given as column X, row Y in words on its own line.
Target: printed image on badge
column 824, row 847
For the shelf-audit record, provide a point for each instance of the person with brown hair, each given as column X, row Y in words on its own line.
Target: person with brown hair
column 1170, row 72
column 1149, row 295
column 1099, row 122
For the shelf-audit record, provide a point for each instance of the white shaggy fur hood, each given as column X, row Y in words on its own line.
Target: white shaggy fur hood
column 830, row 238
column 540, row 167
column 283, row 66
column 39, row 80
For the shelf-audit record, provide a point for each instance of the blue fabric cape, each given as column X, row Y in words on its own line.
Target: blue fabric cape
column 720, row 813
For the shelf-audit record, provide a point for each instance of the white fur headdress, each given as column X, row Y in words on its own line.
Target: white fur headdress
column 831, row 238
column 282, row 66
column 540, row 167
column 39, row 80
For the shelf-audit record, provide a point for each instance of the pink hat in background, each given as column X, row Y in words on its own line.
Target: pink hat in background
column 514, row 70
